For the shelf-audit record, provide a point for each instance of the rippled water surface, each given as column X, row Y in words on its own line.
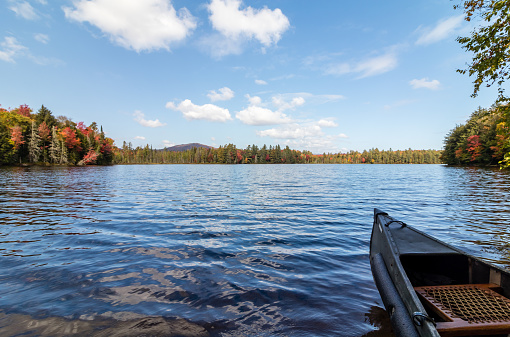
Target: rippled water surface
column 242, row 250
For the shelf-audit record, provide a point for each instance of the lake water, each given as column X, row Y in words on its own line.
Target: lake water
column 240, row 250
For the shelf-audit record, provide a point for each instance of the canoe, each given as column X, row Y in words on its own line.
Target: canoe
column 430, row 288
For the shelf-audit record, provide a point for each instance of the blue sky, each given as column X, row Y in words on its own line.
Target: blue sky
column 325, row 76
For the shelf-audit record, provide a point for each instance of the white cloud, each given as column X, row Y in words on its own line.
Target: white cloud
column 327, row 123
column 208, row 112
column 257, row 115
column 139, row 138
column 10, row 48
column 265, row 25
column 260, row 82
column 25, row 10
column 224, row 94
column 443, row 29
column 293, row 131
column 138, row 25
column 425, row 83
column 305, row 136
column 377, row 65
column 43, row 38
column 367, row 68
column 254, row 100
column 140, row 119
column 167, row 143
column 282, row 105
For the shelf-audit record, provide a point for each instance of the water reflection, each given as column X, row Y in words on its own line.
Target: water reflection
column 103, row 326
column 270, row 250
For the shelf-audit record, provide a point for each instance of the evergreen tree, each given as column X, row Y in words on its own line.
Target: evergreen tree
column 34, row 145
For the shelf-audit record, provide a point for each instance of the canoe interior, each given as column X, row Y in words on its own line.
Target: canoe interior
column 415, row 259
column 436, row 269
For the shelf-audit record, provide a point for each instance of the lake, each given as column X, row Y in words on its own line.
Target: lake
column 223, row 250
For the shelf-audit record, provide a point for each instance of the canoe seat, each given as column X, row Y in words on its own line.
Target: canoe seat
column 468, row 309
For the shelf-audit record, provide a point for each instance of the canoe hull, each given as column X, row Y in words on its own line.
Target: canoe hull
column 403, row 258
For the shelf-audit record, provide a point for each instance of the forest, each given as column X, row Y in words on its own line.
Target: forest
column 482, row 140
column 40, row 138
column 230, row 154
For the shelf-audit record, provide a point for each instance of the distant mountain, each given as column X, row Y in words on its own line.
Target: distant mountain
column 185, row 147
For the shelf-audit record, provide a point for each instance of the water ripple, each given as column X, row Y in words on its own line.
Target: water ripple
column 266, row 250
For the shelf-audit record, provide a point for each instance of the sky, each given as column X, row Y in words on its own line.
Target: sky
column 323, row 76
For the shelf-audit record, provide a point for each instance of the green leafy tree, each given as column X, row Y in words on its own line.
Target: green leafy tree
column 489, row 42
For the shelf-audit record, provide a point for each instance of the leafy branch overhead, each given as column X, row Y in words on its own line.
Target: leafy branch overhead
column 489, row 42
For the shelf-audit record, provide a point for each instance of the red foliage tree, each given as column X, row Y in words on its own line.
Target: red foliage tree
column 106, row 147
column 90, row 157
column 17, row 137
column 83, row 129
column 474, row 147
column 24, row 110
column 44, row 132
column 70, row 139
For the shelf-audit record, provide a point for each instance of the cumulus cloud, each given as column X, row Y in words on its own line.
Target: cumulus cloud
column 10, row 48
column 167, row 143
column 254, row 100
column 25, row 10
column 255, row 114
column 327, row 123
column 208, row 112
column 369, row 67
column 234, row 23
column 306, row 136
column 140, row 119
column 443, row 29
column 139, row 138
column 224, row 94
column 293, row 131
column 43, row 38
column 282, row 105
column 425, row 83
column 138, row 25
column 260, row 82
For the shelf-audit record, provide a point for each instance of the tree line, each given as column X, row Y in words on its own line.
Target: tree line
column 41, row 138
column 253, row 154
column 483, row 140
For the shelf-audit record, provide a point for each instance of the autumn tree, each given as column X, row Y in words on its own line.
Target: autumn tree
column 23, row 110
